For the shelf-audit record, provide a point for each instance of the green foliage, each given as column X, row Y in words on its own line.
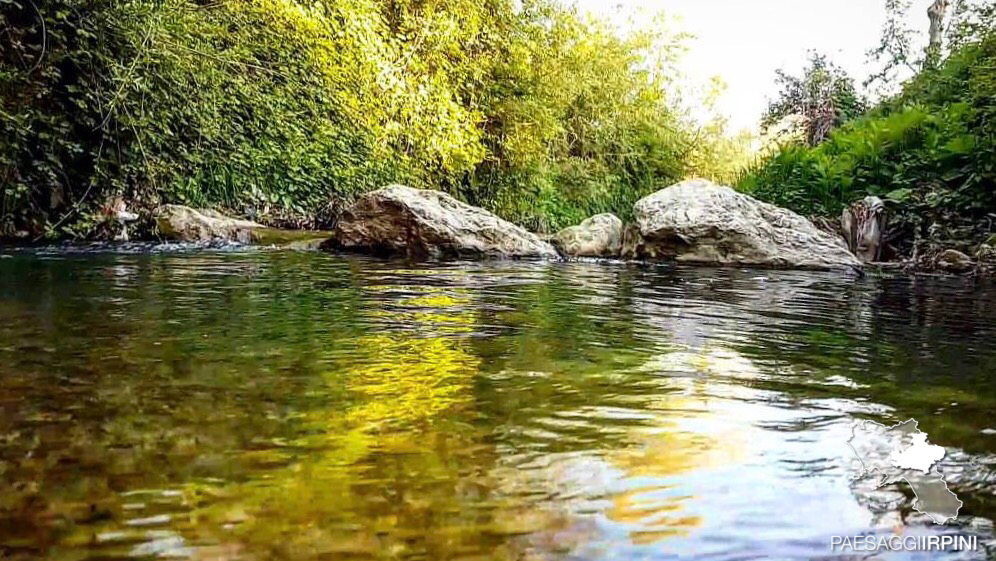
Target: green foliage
column 930, row 151
column 279, row 108
column 173, row 101
column 896, row 52
column 971, row 20
column 578, row 121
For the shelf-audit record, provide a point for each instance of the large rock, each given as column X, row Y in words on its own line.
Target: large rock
column 418, row 223
column 599, row 236
column 183, row 223
column 186, row 224
column 954, row 261
column 697, row 221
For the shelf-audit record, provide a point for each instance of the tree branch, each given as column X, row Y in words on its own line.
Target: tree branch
column 44, row 38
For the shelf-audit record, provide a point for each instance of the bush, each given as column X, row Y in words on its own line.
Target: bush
column 929, row 151
column 175, row 102
column 277, row 108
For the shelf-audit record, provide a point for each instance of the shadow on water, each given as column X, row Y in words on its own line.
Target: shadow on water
column 276, row 405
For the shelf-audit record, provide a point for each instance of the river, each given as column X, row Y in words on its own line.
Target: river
column 221, row 405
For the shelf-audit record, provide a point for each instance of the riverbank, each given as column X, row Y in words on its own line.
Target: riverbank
column 694, row 222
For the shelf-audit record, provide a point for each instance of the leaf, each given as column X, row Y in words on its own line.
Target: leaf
column 899, row 195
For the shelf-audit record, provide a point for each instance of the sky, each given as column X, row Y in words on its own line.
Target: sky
column 745, row 41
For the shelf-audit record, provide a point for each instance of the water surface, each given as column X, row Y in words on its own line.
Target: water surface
column 272, row 405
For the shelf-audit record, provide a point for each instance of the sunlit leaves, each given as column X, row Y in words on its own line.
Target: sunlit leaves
column 277, row 108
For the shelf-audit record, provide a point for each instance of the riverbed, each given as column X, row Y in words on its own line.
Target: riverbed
column 252, row 404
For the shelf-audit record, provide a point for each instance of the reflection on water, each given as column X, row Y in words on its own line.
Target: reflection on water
column 257, row 405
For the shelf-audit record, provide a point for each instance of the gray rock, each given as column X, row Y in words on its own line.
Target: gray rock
column 954, row 261
column 183, row 223
column 419, row 223
column 599, row 236
column 697, row 221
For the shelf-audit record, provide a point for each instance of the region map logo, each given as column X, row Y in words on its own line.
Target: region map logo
column 902, row 452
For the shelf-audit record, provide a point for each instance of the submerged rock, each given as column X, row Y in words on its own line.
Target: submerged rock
column 598, row 236
column 183, row 223
column 420, row 223
column 697, row 221
column 301, row 240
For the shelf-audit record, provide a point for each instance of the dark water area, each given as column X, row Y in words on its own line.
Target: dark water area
column 221, row 405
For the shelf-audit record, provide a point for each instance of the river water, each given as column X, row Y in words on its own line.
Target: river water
column 221, row 405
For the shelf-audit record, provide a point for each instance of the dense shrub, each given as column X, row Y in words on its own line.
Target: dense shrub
column 278, row 108
column 231, row 105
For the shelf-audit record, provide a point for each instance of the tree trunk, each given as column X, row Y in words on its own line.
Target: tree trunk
column 936, row 13
column 863, row 226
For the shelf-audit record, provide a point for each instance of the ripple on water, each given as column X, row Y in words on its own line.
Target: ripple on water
column 230, row 403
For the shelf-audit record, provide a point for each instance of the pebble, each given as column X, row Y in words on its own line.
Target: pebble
column 150, row 521
column 988, row 431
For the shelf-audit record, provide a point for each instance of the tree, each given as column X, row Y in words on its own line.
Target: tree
column 935, row 13
column 823, row 96
column 953, row 23
column 288, row 108
column 895, row 49
column 968, row 22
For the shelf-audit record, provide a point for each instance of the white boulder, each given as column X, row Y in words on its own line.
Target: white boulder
column 186, row 224
column 697, row 221
column 421, row 223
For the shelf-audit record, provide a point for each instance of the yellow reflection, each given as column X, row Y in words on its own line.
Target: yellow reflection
column 416, row 374
column 716, row 362
column 412, row 379
column 656, row 511
column 673, row 448
column 368, row 484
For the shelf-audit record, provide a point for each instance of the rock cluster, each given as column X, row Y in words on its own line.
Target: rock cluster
column 694, row 221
